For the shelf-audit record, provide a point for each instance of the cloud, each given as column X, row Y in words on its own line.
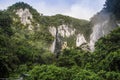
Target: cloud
column 48, row 9
column 80, row 12
column 82, row 9
column 4, row 4
column 85, row 9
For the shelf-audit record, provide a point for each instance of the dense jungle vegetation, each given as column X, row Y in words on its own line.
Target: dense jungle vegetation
column 19, row 54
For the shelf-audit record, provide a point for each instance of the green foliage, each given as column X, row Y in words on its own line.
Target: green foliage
column 48, row 58
column 17, row 46
column 81, row 26
column 112, row 76
column 86, row 75
column 23, row 51
column 107, row 51
column 43, row 35
column 72, row 57
column 5, row 22
column 21, row 5
column 50, row 72
column 109, row 75
column 7, row 58
column 109, row 43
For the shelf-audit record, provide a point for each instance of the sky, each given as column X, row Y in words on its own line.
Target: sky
column 82, row 9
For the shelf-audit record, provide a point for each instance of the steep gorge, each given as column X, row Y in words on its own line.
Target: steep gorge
column 28, row 40
column 59, row 30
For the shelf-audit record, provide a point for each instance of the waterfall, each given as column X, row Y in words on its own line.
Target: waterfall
column 56, row 45
column 52, row 49
column 59, row 33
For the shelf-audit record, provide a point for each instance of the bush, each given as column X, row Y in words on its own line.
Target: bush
column 49, row 72
column 86, row 75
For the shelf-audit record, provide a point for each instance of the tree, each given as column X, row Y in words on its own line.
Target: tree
column 113, row 6
column 7, row 59
column 107, row 52
column 5, row 23
column 49, row 72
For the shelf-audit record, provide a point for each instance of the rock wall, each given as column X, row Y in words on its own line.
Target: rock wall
column 103, row 23
column 24, row 15
column 80, row 40
column 64, row 31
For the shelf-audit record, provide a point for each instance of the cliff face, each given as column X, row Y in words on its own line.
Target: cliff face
column 103, row 23
column 64, row 31
column 25, row 16
column 58, row 32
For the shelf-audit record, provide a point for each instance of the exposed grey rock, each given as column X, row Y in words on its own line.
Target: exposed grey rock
column 24, row 15
column 103, row 22
column 80, row 40
column 63, row 31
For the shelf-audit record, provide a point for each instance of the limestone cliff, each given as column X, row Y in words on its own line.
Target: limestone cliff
column 58, row 32
column 103, row 23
